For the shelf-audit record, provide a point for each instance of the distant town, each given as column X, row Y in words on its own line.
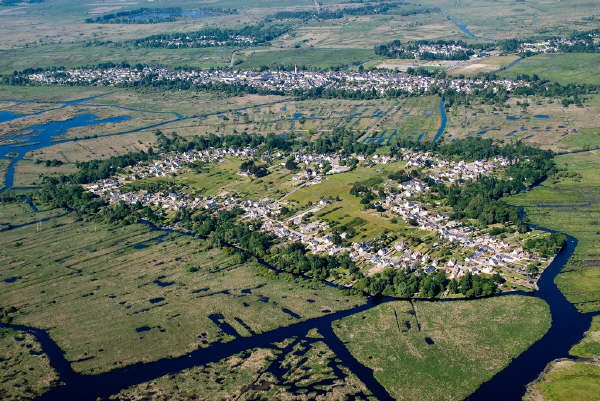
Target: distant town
column 275, row 81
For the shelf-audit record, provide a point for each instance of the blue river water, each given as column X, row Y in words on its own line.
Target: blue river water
column 463, row 27
column 8, row 116
column 44, row 135
column 443, row 122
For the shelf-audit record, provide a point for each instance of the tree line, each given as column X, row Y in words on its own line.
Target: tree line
column 155, row 15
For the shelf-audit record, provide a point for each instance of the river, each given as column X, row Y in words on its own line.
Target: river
column 567, row 329
column 40, row 136
column 443, row 122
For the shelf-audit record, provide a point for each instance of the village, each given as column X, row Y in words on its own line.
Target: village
column 478, row 252
column 380, row 82
column 201, row 41
column 556, row 45
column 443, row 51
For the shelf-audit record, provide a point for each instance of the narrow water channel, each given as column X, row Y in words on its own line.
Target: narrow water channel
column 568, row 327
column 443, row 122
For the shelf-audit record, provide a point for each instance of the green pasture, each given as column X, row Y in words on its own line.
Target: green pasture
column 432, row 351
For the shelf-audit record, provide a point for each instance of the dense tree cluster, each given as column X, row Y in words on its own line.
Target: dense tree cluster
column 370, row 9
column 267, row 142
column 546, row 246
column 156, row 15
column 401, row 284
column 95, row 170
column 70, row 197
column 342, row 140
column 250, row 167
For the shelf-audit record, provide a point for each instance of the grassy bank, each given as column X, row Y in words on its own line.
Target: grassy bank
column 567, row 381
column 25, row 371
column 569, row 203
column 256, row 374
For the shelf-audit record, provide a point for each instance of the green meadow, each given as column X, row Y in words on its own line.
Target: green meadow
column 569, row 202
column 432, row 351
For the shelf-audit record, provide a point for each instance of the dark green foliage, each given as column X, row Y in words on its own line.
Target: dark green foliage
column 70, row 197
column 95, row 170
column 409, row 285
column 250, row 167
column 370, row 9
column 236, row 141
column 50, row 163
column 291, row 164
column 156, row 15
column 342, row 140
column 546, row 246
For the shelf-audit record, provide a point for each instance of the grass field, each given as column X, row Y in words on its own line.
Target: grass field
column 543, row 123
column 28, row 173
column 589, row 347
column 566, row 380
column 571, row 204
column 25, row 371
column 309, row 57
column 488, row 64
column 307, row 364
column 46, row 94
column 580, row 68
column 100, row 148
column 17, row 213
column 501, row 19
column 433, row 351
column 348, row 210
column 91, row 286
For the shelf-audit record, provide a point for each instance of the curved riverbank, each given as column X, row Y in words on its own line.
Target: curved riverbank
column 507, row 385
column 567, row 329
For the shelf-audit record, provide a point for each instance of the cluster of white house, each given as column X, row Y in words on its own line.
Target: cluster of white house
column 485, row 253
column 280, row 81
column 444, row 50
column 551, row 45
column 200, row 41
